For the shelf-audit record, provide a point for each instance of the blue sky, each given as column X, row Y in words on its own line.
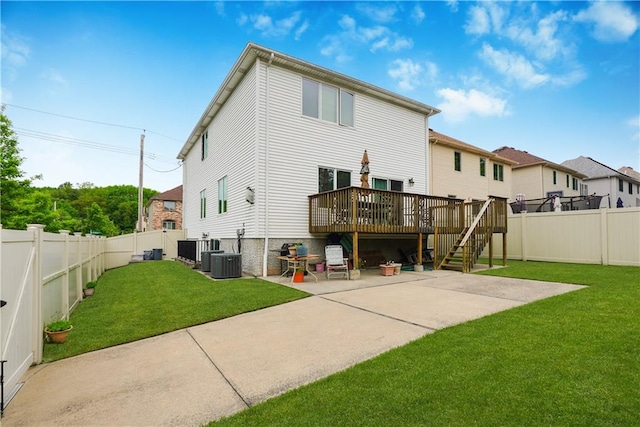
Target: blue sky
column 557, row 79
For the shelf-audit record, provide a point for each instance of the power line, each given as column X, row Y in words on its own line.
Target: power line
column 170, row 170
column 91, row 121
column 89, row 144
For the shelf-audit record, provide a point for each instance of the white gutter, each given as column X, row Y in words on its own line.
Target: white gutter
column 265, row 255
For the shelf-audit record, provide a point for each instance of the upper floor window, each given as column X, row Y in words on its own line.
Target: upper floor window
column 555, row 177
column 325, row 102
column 574, row 183
column 168, row 224
column 332, row 179
column 630, row 188
column 483, row 166
column 203, row 203
column 205, row 145
column 620, row 185
column 498, row 172
column 584, row 190
column 222, row 195
column 169, row 205
column 457, row 161
column 567, row 181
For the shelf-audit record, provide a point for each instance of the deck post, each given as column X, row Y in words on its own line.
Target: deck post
column 419, row 248
column 491, row 249
column 504, row 248
column 356, row 260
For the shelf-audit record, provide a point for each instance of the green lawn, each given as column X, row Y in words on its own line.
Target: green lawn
column 570, row 360
column 150, row 298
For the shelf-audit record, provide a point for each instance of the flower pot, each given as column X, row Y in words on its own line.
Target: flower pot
column 386, row 270
column 320, row 267
column 293, row 251
column 57, row 337
column 88, row 292
column 298, row 277
column 396, row 268
column 302, row 250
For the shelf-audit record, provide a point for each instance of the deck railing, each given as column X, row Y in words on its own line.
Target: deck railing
column 367, row 210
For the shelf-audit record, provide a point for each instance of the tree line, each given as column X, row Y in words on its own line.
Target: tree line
column 82, row 207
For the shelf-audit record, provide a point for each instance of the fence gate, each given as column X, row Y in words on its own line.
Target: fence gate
column 17, row 263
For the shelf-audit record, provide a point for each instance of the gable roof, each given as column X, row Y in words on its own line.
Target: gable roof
column 175, row 194
column 247, row 60
column 593, row 169
column 442, row 139
column 628, row 170
column 525, row 159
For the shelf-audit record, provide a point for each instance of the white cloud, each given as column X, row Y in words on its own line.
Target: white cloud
column 453, row 5
column 543, row 41
column 459, row 105
column 612, row 21
column 375, row 38
column 219, row 6
column 279, row 28
column 485, row 18
column 242, row 19
column 379, row 14
column 53, row 76
column 406, row 72
column 301, row 29
column 417, row 14
column 5, row 95
column 410, row 74
column 15, row 49
column 513, row 66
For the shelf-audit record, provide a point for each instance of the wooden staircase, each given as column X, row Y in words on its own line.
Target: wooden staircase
column 469, row 244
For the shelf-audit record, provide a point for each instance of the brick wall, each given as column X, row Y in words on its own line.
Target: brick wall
column 159, row 214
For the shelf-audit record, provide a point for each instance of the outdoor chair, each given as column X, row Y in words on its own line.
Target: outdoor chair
column 336, row 263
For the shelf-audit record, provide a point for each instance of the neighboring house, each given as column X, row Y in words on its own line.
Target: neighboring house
column 536, row 178
column 165, row 210
column 604, row 180
column 461, row 170
column 280, row 129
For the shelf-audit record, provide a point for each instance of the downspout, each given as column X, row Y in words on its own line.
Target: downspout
column 265, row 255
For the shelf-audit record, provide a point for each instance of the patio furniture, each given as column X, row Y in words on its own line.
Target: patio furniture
column 336, row 263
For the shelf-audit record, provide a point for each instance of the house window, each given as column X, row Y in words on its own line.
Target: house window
column 574, row 183
column 346, row 108
column 584, row 190
column 332, row 179
column 567, row 181
column 620, row 185
column 203, row 204
column 222, row 195
column 168, row 224
column 630, row 188
column 483, row 166
column 169, row 205
column 498, row 172
column 205, row 145
column 327, row 102
column 457, row 160
column 555, row 177
column 387, row 184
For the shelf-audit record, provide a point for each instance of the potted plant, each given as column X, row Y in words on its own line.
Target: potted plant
column 57, row 331
column 298, row 275
column 387, row 269
column 89, row 288
column 293, row 249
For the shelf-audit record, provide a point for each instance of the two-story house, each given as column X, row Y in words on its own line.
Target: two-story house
column 460, row 170
column 536, row 178
column 164, row 210
column 623, row 189
column 280, row 129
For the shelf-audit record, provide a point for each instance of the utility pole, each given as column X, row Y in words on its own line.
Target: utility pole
column 140, row 185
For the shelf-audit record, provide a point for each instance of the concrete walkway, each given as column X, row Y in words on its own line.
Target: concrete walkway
column 199, row 374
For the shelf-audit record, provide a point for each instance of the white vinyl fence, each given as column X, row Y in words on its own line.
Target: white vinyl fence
column 120, row 249
column 41, row 280
column 598, row 236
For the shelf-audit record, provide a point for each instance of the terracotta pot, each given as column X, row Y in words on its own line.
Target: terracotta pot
column 293, row 251
column 298, row 277
column 58, row 337
column 386, row 270
column 88, row 292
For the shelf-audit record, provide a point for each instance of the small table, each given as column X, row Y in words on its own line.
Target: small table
column 295, row 262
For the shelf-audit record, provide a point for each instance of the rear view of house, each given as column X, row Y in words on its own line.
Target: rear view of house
column 280, row 129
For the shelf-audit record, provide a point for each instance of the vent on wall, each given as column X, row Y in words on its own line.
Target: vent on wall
column 226, row 266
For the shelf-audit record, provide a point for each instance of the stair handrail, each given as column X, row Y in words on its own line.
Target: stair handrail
column 475, row 222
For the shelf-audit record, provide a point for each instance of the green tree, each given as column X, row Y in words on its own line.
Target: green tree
column 13, row 185
column 97, row 222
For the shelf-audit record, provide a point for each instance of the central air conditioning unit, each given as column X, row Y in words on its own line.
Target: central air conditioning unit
column 205, row 259
column 226, row 266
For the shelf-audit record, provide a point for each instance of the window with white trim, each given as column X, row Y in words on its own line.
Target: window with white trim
column 333, row 179
column 387, row 184
column 203, row 204
column 574, row 183
column 326, row 102
column 483, row 166
column 457, row 161
column 498, row 172
column 169, row 205
column 222, row 195
column 205, row 145
column 168, row 224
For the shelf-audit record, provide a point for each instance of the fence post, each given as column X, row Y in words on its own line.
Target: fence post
column 37, row 344
column 65, row 277
column 79, row 283
column 604, row 233
column 523, row 234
